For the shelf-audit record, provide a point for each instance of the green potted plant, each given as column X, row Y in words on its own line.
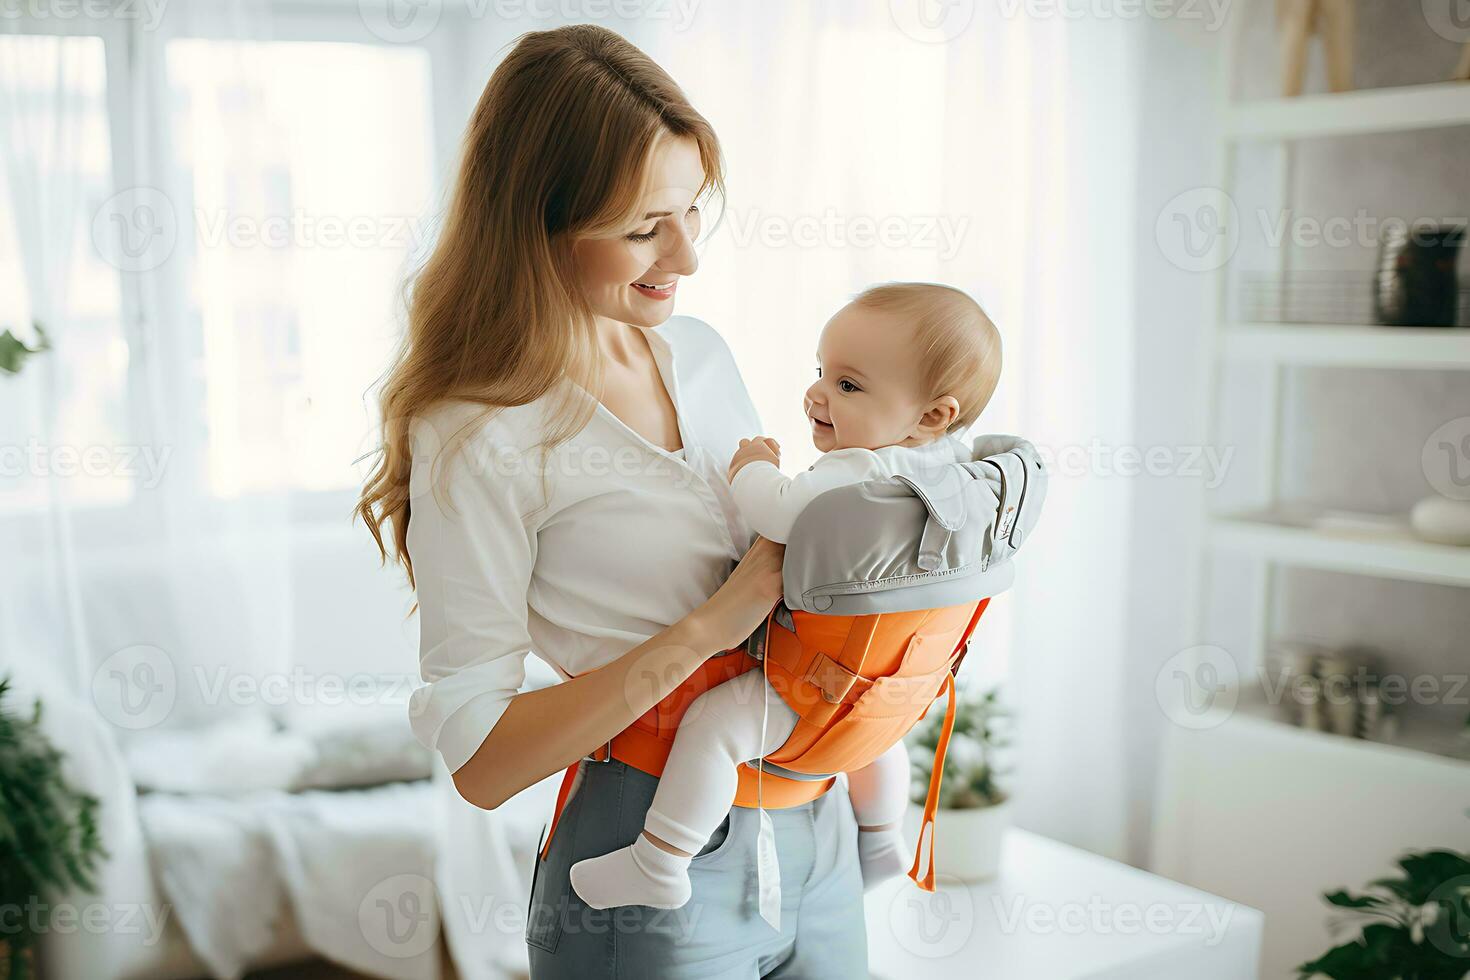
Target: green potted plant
column 1421, row 927
column 48, row 834
column 14, row 352
column 973, row 810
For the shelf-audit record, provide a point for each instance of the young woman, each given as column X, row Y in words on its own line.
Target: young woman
column 553, row 480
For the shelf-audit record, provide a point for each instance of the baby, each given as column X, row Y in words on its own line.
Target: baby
column 901, row 367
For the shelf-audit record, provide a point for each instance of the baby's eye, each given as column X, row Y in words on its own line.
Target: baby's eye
column 847, row 386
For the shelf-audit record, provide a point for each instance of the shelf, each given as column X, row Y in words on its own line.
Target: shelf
column 1386, row 554
column 1349, row 113
column 1347, row 345
column 1420, row 733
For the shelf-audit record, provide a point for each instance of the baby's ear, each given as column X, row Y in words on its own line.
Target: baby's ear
column 940, row 415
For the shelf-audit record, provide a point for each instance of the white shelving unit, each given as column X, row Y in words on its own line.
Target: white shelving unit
column 1350, row 113
column 1250, row 806
column 1267, row 533
column 1347, row 345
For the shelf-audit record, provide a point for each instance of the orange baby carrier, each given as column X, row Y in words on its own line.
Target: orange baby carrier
column 871, row 628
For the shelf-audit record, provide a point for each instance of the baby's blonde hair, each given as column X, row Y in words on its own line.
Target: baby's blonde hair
column 959, row 347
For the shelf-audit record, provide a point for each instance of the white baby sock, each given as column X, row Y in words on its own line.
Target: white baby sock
column 881, row 855
column 640, row 874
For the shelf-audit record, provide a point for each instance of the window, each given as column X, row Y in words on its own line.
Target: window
column 243, row 224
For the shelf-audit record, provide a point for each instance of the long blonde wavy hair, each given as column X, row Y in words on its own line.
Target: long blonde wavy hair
column 554, row 152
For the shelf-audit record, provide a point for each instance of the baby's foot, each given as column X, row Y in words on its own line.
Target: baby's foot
column 881, row 855
column 640, row 874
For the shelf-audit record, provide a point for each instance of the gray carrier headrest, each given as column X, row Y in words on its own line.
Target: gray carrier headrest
column 938, row 539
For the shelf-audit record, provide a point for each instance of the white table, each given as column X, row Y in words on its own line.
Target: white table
column 1055, row 912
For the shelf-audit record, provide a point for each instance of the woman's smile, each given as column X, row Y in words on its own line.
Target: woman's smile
column 657, row 288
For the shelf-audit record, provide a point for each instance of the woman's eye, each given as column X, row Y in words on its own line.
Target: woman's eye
column 847, row 386
column 646, row 236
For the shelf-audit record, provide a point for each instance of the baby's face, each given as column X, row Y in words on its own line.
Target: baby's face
column 867, row 393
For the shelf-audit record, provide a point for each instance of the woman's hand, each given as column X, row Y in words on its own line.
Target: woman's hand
column 760, row 448
column 742, row 603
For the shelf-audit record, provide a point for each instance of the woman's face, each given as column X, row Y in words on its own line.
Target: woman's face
column 631, row 277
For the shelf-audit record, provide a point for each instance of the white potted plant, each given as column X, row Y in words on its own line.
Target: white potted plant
column 973, row 810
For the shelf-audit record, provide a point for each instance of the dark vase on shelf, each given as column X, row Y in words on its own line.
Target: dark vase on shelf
column 1416, row 283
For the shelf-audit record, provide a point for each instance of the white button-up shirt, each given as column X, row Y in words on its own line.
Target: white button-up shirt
column 632, row 538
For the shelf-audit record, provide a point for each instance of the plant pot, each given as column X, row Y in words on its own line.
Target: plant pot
column 966, row 842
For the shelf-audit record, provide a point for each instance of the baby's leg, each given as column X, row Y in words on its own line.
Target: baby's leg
column 721, row 730
column 880, row 794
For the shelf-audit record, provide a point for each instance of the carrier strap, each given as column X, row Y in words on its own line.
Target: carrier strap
column 648, row 751
column 936, row 775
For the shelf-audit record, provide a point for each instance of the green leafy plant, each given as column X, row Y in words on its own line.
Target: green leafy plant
column 14, row 352
column 48, row 833
column 969, row 782
column 1425, row 932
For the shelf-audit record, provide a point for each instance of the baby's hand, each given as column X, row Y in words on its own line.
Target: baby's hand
column 751, row 450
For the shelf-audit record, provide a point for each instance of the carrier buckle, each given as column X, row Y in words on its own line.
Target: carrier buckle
column 831, row 678
column 602, row 753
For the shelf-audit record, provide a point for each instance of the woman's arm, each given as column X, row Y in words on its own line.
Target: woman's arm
column 544, row 731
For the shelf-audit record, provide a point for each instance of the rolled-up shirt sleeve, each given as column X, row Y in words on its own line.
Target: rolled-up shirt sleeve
column 473, row 553
column 770, row 501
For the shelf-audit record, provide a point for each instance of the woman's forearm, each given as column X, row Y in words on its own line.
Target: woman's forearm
column 546, row 730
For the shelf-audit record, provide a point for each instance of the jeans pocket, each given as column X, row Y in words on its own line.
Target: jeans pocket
column 720, row 843
column 551, row 882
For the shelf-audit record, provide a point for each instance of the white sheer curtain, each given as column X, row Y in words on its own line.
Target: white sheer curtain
column 211, row 222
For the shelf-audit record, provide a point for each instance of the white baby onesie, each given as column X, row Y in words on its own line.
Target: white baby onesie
column 723, row 726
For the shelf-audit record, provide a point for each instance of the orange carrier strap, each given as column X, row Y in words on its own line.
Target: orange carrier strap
column 645, row 745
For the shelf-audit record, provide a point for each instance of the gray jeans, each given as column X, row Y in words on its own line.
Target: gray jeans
column 719, row 933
